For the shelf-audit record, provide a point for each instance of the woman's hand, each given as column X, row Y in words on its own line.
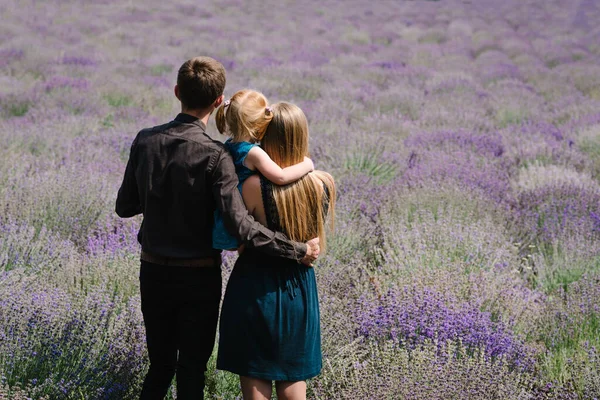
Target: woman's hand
column 312, row 252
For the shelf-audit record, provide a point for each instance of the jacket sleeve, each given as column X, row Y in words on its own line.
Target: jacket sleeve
column 239, row 222
column 128, row 200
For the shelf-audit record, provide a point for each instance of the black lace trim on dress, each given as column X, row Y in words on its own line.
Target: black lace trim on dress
column 292, row 275
column 271, row 213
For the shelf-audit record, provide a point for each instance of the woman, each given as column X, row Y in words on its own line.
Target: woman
column 269, row 329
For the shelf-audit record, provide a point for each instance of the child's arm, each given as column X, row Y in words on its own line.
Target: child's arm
column 257, row 159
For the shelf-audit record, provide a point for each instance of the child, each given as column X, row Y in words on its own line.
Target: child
column 245, row 118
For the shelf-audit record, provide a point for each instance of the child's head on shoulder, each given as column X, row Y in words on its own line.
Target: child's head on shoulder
column 245, row 116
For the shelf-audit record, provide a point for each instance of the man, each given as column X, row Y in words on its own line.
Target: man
column 176, row 177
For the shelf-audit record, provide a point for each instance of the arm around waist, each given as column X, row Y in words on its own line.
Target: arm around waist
column 238, row 220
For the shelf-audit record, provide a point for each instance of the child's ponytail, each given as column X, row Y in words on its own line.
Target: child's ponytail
column 263, row 124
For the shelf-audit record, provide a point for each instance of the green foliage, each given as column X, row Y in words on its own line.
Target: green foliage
column 572, row 335
column 18, row 108
column 119, row 100
column 552, row 63
column 591, row 147
column 108, row 121
column 486, row 47
column 220, row 385
column 367, row 162
column 557, row 265
column 510, row 116
column 416, row 374
column 433, row 37
column 161, row 69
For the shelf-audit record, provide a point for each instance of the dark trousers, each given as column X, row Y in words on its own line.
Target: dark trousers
column 180, row 306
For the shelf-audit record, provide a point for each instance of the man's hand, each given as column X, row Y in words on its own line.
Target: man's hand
column 312, row 252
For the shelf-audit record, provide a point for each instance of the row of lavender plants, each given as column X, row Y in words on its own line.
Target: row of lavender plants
column 465, row 141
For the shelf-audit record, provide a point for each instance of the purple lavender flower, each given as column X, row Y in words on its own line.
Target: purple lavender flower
column 412, row 317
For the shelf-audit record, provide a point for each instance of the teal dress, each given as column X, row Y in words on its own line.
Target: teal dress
column 239, row 150
column 269, row 327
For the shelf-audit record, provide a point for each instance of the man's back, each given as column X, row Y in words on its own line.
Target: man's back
column 169, row 176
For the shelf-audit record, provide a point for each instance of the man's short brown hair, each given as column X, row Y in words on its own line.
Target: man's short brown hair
column 200, row 80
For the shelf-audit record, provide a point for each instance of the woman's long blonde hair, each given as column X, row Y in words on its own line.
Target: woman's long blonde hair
column 304, row 206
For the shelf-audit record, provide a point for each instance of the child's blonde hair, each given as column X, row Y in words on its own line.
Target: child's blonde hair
column 246, row 114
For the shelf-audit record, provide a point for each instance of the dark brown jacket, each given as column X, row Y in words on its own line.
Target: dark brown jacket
column 176, row 177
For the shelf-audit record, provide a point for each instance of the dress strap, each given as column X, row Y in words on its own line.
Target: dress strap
column 292, row 276
column 271, row 213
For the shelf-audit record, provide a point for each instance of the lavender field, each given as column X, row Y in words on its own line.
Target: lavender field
column 464, row 137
